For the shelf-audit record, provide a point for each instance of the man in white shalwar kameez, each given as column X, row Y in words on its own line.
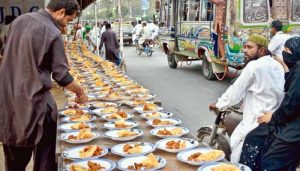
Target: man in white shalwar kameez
column 260, row 86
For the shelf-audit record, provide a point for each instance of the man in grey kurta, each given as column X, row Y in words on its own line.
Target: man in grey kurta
column 109, row 39
column 27, row 109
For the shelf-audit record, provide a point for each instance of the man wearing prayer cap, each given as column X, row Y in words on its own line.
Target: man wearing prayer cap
column 260, row 87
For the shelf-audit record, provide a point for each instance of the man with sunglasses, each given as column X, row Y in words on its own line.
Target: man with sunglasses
column 260, row 87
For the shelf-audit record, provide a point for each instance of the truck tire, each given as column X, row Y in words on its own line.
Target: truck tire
column 219, row 143
column 172, row 61
column 207, row 69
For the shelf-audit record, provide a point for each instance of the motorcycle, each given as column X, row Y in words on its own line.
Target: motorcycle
column 224, row 125
column 146, row 47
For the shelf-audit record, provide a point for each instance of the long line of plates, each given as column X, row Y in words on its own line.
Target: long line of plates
column 108, row 89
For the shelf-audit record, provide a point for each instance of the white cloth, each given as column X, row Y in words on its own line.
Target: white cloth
column 155, row 32
column 79, row 35
column 103, row 29
column 95, row 35
column 146, row 34
column 277, row 42
column 136, row 31
column 261, row 88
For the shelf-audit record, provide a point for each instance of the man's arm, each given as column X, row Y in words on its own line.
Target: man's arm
column 236, row 92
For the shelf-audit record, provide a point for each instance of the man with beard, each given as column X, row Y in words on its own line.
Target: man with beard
column 28, row 112
column 259, row 87
column 277, row 139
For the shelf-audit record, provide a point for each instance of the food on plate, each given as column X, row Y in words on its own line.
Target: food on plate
column 81, row 118
column 119, row 115
column 100, row 83
column 132, row 148
column 106, row 105
column 90, row 151
column 139, row 90
column 132, row 86
column 125, row 82
column 74, row 106
column 205, row 157
column 79, row 125
column 174, row 131
column 91, row 167
column 74, row 111
column 82, row 135
column 139, row 102
column 149, row 163
column 126, row 133
column 160, row 122
column 149, row 107
column 110, row 110
column 180, row 144
column 225, row 167
column 121, row 124
column 106, row 88
column 113, row 95
column 153, row 115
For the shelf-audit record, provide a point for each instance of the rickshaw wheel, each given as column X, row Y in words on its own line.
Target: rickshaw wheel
column 207, row 69
column 172, row 61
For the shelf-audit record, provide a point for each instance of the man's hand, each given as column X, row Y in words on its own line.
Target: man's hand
column 266, row 118
column 81, row 98
column 213, row 107
column 79, row 91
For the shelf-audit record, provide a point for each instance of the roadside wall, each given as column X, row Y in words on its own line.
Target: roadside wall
column 18, row 7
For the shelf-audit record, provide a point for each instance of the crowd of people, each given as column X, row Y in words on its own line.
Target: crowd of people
column 268, row 137
column 103, row 35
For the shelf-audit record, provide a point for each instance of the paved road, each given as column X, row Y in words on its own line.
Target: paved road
column 183, row 91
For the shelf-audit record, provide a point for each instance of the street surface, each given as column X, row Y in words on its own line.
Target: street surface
column 183, row 91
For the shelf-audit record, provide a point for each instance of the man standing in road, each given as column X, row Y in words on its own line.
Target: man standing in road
column 109, row 39
column 260, row 86
column 28, row 112
column 278, row 40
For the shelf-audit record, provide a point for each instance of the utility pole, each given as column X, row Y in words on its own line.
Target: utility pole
column 130, row 9
column 96, row 26
column 121, row 30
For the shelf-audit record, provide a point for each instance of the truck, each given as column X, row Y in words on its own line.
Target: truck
column 190, row 31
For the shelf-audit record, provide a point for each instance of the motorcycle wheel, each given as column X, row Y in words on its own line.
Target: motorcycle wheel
column 139, row 51
column 219, row 143
column 149, row 52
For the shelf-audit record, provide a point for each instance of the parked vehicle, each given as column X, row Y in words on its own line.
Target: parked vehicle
column 189, row 32
column 126, row 30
